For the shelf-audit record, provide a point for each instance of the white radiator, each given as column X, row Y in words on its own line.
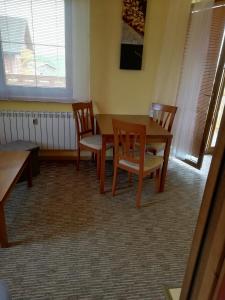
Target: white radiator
column 50, row 130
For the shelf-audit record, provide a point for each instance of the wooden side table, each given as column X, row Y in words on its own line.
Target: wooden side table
column 12, row 165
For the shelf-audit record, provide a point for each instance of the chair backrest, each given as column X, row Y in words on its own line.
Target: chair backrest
column 164, row 115
column 129, row 142
column 84, row 117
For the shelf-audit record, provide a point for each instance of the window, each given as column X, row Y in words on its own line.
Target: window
column 35, row 49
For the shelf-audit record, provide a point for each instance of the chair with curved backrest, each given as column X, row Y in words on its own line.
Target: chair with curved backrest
column 130, row 154
column 86, row 138
column 163, row 115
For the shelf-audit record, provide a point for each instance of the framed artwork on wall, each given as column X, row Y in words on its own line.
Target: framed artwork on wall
column 133, row 27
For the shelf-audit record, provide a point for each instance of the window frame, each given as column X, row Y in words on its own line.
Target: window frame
column 43, row 94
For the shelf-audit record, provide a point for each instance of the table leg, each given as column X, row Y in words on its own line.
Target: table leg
column 102, row 171
column 97, row 128
column 165, row 164
column 3, row 231
column 29, row 172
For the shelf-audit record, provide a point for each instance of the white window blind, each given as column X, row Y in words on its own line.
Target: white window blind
column 37, row 39
column 44, row 50
column 33, row 42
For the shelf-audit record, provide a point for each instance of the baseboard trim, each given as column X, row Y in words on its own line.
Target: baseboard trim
column 65, row 155
column 69, row 155
column 172, row 293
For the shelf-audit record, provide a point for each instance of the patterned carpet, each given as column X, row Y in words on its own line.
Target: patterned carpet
column 73, row 243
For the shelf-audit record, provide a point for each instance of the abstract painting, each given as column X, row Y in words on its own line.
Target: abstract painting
column 133, row 26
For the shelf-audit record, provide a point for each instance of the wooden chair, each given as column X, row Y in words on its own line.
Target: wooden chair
column 164, row 115
column 131, row 158
column 86, row 138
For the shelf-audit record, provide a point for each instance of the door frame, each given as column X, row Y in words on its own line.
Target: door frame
column 209, row 148
column 205, row 269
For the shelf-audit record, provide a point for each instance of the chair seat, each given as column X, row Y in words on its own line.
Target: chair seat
column 151, row 163
column 157, row 147
column 92, row 141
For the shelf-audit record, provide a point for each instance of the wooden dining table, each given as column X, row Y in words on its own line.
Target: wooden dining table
column 154, row 132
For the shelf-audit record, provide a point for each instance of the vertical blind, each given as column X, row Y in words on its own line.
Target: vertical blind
column 210, row 68
column 33, row 42
column 201, row 54
column 195, row 53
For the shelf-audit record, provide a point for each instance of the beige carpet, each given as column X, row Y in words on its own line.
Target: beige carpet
column 74, row 243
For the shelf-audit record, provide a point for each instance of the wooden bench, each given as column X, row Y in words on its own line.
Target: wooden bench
column 12, row 165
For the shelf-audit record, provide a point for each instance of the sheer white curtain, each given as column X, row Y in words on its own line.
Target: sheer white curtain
column 81, row 49
column 191, row 78
column 44, row 50
column 167, row 77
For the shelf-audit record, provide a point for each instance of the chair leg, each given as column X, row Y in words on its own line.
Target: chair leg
column 78, row 159
column 157, row 180
column 138, row 196
column 129, row 177
column 115, row 174
column 113, row 150
column 93, row 156
column 151, row 175
column 98, row 157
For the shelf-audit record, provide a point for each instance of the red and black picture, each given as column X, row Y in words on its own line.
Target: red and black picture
column 133, row 14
